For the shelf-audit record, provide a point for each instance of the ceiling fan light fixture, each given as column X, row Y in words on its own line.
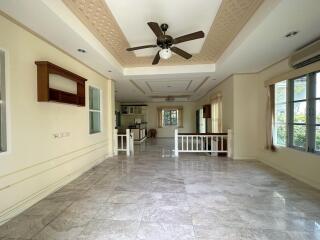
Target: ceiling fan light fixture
column 165, row 53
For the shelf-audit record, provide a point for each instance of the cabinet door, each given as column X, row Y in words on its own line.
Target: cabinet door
column 135, row 134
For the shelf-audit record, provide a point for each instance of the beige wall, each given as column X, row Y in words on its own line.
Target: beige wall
column 244, row 111
column 37, row 163
column 189, row 116
column 225, row 88
column 301, row 165
column 245, row 108
column 249, row 130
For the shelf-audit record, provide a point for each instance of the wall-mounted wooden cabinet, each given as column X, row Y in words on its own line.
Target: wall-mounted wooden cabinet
column 207, row 111
column 47, row 93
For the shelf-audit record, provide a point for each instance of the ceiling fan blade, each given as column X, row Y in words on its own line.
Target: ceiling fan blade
column 189, row 37
column 181, row 52
column 155, row 28
column 156, row 58
column 141, row 47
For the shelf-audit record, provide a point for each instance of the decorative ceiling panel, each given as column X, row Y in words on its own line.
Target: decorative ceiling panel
column 230, row 19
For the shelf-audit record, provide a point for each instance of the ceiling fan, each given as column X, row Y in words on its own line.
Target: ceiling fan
column 166, row 42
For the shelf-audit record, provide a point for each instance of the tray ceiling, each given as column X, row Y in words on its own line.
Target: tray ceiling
column 227, row 22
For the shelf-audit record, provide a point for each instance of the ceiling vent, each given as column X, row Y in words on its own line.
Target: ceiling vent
column 305, row 56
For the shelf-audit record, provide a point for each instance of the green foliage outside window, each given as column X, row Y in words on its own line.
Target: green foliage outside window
column 170, row 117
column 300, row 132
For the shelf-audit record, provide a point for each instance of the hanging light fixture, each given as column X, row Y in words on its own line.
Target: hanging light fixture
column 165, row 53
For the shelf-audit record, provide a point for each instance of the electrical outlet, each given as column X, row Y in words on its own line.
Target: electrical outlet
column 61, row 135
column 56, row 135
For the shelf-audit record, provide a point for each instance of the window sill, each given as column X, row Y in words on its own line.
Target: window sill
column 92, row 133
column 6, row 153
column 284, row 148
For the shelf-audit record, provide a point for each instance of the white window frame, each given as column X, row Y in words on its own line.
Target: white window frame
column 310, row 114
column 93, row 110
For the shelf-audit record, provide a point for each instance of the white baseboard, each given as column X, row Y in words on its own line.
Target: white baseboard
column 245, row 158
column 294, row 175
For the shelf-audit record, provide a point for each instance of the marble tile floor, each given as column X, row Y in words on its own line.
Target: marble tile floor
column 155, row 196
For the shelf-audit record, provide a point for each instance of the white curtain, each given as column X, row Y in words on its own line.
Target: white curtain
column 216, row 114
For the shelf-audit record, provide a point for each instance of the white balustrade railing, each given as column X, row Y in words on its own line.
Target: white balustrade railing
column 205, row 142
column 124, row 142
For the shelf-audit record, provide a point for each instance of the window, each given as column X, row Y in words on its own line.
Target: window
column 3, row 128
column 298, row 110
column 202, row 122
column 280, row 116
column 94, row 110
column 297, row 113
column 317, row 114
column 170, row 117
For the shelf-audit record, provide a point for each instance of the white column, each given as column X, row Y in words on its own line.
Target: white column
column 128, row 141
column 229, row 145
column 176, row 152
column 115, row 142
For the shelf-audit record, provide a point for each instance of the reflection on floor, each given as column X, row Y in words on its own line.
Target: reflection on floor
column 153, row 196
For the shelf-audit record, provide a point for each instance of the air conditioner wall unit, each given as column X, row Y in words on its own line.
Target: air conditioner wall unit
column 305, row 56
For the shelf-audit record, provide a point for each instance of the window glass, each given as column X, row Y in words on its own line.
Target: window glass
column 300, row 88
column 170, row 117
column 317, row 139
column 280, row 133
column 202, row 121
column 299, row 136
column 94, row 110
column 94, row 122
column 94, row 98
column 281, row 113
column 173, row 117
column 299, row 112
column 317, row 111
column 281, row 92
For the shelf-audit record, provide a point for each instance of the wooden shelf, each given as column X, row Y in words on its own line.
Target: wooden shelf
column 46, row 94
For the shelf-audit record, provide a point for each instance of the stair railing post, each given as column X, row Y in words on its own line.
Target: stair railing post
column 115, row 142
column 128, row 141
column 229, row 145
column 176, row 150
column 132, row 143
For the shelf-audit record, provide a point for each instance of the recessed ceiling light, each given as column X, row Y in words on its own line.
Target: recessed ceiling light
column 291, row 34
column 81, row 50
